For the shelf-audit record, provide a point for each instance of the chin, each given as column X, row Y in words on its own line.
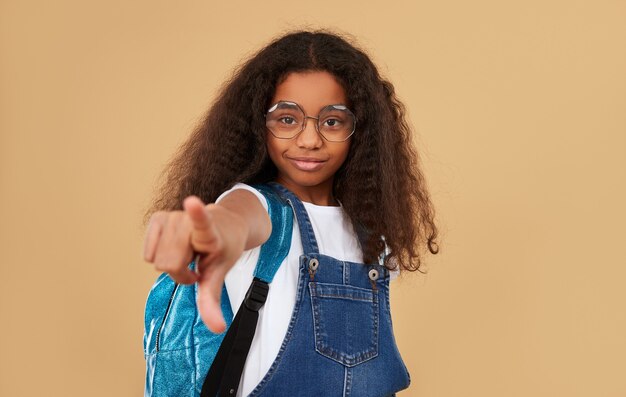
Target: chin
column 307, row 181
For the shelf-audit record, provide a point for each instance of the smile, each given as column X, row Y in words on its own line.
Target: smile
column 306, row 164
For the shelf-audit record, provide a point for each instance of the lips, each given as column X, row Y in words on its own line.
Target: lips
column 306, row 163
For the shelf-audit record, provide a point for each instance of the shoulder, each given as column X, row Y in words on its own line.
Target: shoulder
column 243, row 186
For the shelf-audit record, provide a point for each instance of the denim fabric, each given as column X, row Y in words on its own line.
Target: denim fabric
column 340, row 339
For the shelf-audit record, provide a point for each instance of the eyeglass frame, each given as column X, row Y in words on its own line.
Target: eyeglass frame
column 304, row 121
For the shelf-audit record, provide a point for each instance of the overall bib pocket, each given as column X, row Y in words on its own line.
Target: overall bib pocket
column 345, row 322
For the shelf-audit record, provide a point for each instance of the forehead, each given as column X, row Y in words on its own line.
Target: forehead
column 311, row 90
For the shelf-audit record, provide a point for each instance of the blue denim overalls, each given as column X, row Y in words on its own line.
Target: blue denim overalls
column 340, row 339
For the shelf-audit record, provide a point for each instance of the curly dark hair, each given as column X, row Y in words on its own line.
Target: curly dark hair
column 380, row 185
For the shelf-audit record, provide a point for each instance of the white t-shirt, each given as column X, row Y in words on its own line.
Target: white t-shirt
column 275, row 315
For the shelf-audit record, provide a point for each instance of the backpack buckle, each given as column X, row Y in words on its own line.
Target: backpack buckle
column 256, row 295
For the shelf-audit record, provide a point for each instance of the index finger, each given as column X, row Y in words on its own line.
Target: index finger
column 195, row 208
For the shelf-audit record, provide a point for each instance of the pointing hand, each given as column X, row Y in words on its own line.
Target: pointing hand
column 214, row 234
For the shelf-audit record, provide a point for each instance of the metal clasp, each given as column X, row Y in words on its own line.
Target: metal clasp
column 373, row 275
column 313, row 265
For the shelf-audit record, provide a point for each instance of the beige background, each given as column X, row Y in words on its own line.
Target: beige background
column 520, row 113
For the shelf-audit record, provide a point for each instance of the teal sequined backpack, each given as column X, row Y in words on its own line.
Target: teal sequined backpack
column 179, row 349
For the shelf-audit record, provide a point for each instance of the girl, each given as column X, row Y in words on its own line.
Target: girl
column 310, row 113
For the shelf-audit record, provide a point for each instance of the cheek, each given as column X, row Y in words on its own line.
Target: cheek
column 274, row 149
column 342, row 152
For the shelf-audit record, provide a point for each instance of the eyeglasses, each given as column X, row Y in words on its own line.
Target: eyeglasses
column 285, row 120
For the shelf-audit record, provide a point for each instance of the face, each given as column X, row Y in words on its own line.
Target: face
column 307, row 163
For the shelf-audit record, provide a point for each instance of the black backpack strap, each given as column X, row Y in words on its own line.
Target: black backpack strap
column 225, row 373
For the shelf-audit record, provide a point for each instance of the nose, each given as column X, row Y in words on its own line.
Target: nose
column 309, row 138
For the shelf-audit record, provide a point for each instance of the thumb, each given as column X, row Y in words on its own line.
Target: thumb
column 209, row 296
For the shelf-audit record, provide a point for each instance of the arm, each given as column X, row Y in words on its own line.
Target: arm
column 219, row 232
column 256, row 222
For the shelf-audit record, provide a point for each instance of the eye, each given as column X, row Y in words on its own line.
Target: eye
column 332, row 123
column 287, row 120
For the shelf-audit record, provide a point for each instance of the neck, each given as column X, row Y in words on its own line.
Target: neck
column 319, row 195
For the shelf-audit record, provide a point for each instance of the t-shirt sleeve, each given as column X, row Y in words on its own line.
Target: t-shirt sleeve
column 393, row 274
column 249, row 188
